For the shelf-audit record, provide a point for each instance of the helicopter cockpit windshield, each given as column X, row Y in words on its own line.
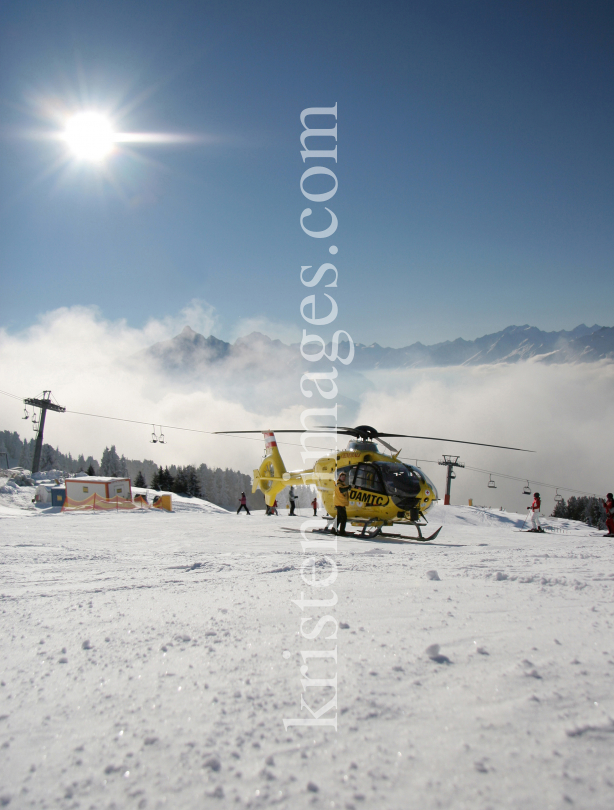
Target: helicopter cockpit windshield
column 400, row 480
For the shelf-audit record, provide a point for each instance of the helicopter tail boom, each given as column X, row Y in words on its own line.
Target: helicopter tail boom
column 271, row 477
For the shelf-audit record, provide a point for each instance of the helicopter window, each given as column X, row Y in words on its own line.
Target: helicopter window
column 367, row 477
column 399, row 479
column 349, row 474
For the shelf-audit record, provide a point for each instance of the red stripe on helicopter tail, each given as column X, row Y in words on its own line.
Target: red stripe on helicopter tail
column 269, row 440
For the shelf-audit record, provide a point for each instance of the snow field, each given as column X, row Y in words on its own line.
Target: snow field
column 143, row 665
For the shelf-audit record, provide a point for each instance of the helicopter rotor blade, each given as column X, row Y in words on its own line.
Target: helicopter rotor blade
column 381, row 436
column 316, row 429
column 454, row 441
column 347, row 431
column 388, row 446
column 224, row 432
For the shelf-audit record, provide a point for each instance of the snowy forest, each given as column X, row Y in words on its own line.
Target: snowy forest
column 586, row 509
column 222, row 487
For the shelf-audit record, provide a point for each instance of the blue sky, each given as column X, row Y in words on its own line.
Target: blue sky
column 475, row 162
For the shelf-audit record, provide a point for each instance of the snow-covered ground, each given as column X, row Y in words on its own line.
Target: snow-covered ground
column 149, row 660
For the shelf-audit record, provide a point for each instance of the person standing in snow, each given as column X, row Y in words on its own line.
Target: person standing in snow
column 243, row 504
column 314, row 504
column 292, row 499
column 341, row 502
column 274, row 508
column 535, row 507
column 609, row 514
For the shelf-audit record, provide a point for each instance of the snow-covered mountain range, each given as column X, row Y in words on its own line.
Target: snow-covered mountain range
column 190, row 351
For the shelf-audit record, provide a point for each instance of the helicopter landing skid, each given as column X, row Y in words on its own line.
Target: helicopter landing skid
column 376, row 534
column 420, row 538
column 371, row 529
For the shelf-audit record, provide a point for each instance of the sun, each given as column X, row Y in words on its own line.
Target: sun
column 90, row 136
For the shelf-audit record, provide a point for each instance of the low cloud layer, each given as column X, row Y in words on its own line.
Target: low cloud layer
column 88, row 363
column 563, row 412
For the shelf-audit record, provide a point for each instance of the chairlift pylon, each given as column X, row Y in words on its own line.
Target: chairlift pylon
column 526, row 489
column 154, row 438
column 491, row 483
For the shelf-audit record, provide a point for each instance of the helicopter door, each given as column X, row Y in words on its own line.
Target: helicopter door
column 367, row 477
column 367, row 487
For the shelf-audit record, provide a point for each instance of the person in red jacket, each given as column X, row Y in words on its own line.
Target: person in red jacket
column 314, row 504
column 243, row 504
column 535, row 507
column 609, row 514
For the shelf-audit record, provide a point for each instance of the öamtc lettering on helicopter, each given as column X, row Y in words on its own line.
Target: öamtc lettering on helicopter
column 368, row 498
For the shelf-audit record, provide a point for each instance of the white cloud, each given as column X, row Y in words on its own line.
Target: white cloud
column 87, row 362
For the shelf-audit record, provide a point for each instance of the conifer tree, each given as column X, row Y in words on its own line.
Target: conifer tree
column 140, row 481
column 166, row 480
column 180, row 485
column 193, row 480
column 47, row 458
column 110, row 463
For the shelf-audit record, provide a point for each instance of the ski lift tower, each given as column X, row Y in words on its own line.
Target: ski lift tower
column 450, row 462
column 45, row 404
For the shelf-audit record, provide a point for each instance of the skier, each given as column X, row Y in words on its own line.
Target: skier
column 609, row 514
column 243, row 504
column 535, row 507
column 314, row 504
column 341, row 502
column 292, row 499
column 272, row 510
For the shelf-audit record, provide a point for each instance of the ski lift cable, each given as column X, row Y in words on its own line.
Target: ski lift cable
column 173, row 427
column 535, row 483
column 296, row 444
column 13, row 396
column 504, row 475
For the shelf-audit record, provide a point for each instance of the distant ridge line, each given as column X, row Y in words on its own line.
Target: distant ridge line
column 190, row 350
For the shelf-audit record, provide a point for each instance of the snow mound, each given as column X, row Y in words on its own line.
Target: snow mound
column 181, row 503
column 482, row 517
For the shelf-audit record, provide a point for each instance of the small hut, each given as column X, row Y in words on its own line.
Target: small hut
column 80, row 489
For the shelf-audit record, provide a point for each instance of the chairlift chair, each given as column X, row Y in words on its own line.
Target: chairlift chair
column 154, row 438
column 452, row 474
column 161, row 438
column 491, row 483
column 26, row 415
column 527, row 489
column 558, row 498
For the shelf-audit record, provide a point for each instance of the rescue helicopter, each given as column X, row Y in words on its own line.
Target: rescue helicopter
column 384, row 490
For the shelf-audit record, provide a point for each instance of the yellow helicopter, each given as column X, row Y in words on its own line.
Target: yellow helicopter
column 383, row 489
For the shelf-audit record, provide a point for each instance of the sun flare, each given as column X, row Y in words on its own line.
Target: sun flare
column 90, row 136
